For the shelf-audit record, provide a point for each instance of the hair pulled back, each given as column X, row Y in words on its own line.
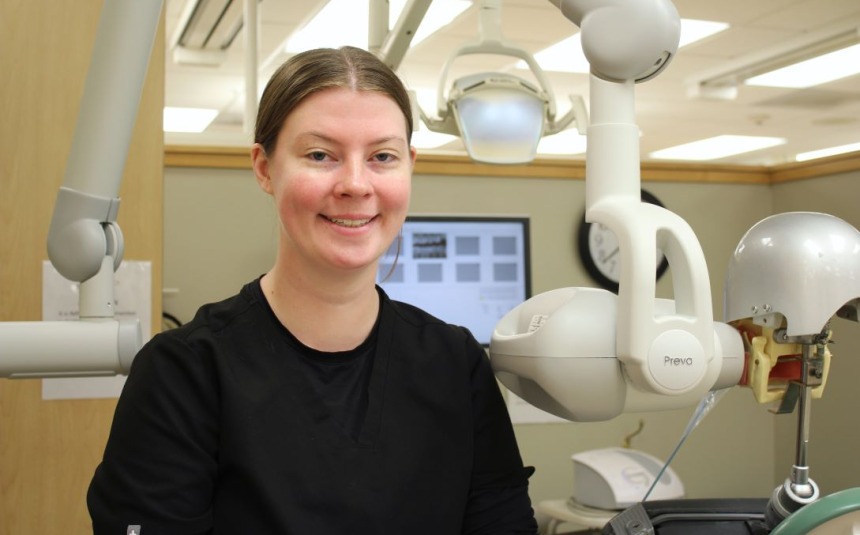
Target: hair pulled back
column 323, row 68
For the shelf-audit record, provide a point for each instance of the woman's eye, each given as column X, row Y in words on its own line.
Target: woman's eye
column 317, row 156
column 384, row 157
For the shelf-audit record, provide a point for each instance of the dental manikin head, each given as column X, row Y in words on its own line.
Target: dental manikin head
column 798, row 269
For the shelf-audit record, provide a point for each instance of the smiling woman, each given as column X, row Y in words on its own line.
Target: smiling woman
column 340, row 175
column 308, row 402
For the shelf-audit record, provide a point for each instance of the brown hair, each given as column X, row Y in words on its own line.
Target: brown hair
column 323, row 68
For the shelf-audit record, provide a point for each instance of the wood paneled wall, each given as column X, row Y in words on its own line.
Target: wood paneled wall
column 49, row 449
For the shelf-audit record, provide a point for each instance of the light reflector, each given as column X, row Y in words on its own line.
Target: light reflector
column 500, row 117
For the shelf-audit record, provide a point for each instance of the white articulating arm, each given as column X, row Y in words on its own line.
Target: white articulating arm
column 671, row 352
column 645, row 339
column 84, row 241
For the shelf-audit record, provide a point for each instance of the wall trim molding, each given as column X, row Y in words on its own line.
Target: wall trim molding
column 557, row 168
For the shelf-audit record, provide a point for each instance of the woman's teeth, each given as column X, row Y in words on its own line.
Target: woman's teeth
column 348, row 222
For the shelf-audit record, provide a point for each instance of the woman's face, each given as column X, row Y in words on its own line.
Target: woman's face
column 340, row 175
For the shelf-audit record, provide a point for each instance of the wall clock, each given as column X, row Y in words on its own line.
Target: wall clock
column 598, row 250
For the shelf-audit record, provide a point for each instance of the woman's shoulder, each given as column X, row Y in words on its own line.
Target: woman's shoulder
column 216, row 323
column 216, row 316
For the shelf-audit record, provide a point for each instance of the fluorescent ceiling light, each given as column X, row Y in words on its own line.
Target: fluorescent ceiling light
column 566, row 142
column 717, row 147
column 818, row 70
column 194, row 120
column 564, row 56
column 338, row 23
column 440, row 14
column 831, row 151
column 344, row 22
column 567, row 55
column 693, row 30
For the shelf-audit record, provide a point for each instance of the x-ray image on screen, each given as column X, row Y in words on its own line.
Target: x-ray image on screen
column 465, row 270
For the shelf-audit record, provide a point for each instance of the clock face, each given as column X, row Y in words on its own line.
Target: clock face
column 603, row 248
column 599, row 252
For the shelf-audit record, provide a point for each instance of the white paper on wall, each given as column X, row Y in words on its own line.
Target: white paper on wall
column 133, row 294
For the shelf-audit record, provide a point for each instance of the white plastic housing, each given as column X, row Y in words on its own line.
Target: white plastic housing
column 68, row 348
column 616, row 478
column 625, row 39
column 558, row 351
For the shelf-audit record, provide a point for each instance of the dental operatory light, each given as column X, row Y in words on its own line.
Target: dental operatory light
column 500, row 117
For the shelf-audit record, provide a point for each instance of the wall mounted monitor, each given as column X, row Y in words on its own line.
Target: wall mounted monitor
column 465, row 270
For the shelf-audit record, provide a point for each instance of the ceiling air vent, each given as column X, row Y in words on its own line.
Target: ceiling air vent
column 205, row 31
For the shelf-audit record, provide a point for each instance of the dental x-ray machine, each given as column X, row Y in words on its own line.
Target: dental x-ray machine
column 85, row 243
column 586, row 354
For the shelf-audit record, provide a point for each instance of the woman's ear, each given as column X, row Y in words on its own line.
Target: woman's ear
column 260, row 164
column 413, row 155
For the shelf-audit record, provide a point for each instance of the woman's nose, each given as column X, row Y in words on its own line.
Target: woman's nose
column 354, row 180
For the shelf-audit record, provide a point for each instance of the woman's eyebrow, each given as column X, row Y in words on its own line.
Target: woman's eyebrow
column 379, row 141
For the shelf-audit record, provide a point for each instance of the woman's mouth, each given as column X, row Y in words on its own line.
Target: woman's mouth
column 350, row 223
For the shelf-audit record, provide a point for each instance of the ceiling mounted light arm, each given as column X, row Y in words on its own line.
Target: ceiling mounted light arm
column 491, row 42
column 393, row 47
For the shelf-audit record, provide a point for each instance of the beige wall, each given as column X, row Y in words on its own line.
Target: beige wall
column 220, row 231
column 49, row 449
